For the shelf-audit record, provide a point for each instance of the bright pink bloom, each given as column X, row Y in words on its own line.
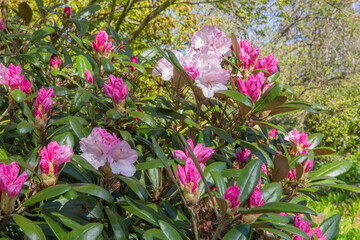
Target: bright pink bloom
column 88, row 76
column 116, row 89
column 292, row 174
column 53, row 156
column 25, row 85
column 307, row 163
column 268, row 63
column 190, row 68
column 263, row 168
column 201, row 153
column 252, row 86
column 247, row 55
column 12, row 76
column 267, row 86
column 133, row 60
column 255, row 198
column 9, row 180
column 272, row 133
column 1, row 25
column 189, row 174
column 67, row 12
column 300, row 139
column 303, row 225
column 241, row 156
column 318, row 234
column 232, row 194
column 55, row 61
column 101, row 147
column 283, row 214
column 101, row 43
column 43, row 102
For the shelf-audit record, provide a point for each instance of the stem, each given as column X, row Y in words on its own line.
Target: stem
column 6, row 112
column 219, row 228
column 193, row 218
column 92, row 114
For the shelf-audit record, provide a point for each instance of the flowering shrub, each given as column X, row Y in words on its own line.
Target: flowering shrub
column 200, row 162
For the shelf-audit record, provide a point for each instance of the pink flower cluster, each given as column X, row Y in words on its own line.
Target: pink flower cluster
column 88, row 76
column 102, row 44
column 10, row 182
column 252, row 85
column 272, row 133
column 12, row 77
column 241, row 156
column 305, row 226
column 55, row 61
column 232, row 195
column 43, row 102
column 100, row 147
column 201, row 153
column 67, row 12
column 116, row 89
column 202, row 62
column 53, row 156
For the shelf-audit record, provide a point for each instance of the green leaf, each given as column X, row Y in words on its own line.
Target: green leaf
column 66, row 138
column 330, row 227
column 295, row 230
column 31, row 229
column 248, row 179
column 139, row 67
column 83, row 13
column 169, row 231
column 81, row 64
column 54, row 224
column 25, row 12
column 276, row 207
column 61, row 91
column 154, row 234
column 240, row 232
column 136, row 186
column 143, row 117
column 60, row 73
column 264, row 157
column 67, row 57
column 219, row 182
column 237, row 96
column 24, row 127
column 278, row 233
column 117, row 224
column 47, row 193
column 224, row 135
column 18, row 95
column 89, row 231
column 273, row 77
column 107, row 65
column 94, row 190
column 141, row 212
column 84, row 164
column 268, row 97
column 333, row 169
column 41, row 33
column 271, row 192
column 79, row 130
column 164, row 113
column 113, row 114
column 315, row 140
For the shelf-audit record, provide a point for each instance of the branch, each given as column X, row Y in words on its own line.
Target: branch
column 91, row 2
column 111, row 13
column 148, row 18
column 127, row 8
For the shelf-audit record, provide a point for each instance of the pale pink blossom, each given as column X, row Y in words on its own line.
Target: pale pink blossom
column 53, row 155
column 133, row 60
column 232, row 195
column 88, row 76
column 272, row 133
column 9, row 180
column 43, row 102
column 190, row 68
column 101, row 147
column 4, row 75
column 268, row 63
column 303, row 225
column 201, row 153
column 102, row 43
column 252, row 86
column 300, row 139
column 67, row 12
column 255, row 198
column 242, row 156
column 116, row 89
column 55, row 61
column 1, row 25
column 318, row 234
column 188, row 175
column 164, row 68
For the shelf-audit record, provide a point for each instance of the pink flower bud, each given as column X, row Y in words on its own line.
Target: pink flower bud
column 134, row 60
column 67, row 12
column 53, row 156
column 272, row 133
column 263, row 168
column 88, row 76
column 302, row 224
column 241, row 156
column 188, row 175
column 255, row 198
column 232, row 195
column 318, row 234
column 116, row 89
column 55, row 61
column 101, row 43
column 301, row 139
column 43, row 102
column 268, row 63
column 1, row 25
column 252, row 86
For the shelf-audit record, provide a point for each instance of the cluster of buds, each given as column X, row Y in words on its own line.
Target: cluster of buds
column 231, row 196
column 10, row 185
column 43, row 104
column 189, row 177
column 55, row 62
column 12, row 77
column 66, row 12
column 304, row 225
column 117, row 91
column 52, row 157
column 88, row 76
column 241, row 157
column 102, row 44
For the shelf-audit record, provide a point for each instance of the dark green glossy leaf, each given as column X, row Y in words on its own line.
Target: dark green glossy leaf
column 295, row 230
column 79, row 130
column 268, row 97
column 248, row 179
column 41, row 33
column 47, row 193
column 239, row 232
column 275, row 207
column 237, row 96
column 117, row 224
column 136, row 186
column 61, row 91
column 333, row 169
column 113, row 114
column 154, row 234
column 84, row 164
column 224, row 135
column 81, row 64
column 271, row 192
column 24, row 127
column 143, row 117
column 31, row 229
column 89, row 231
column 264, row 157
column 219, row 182
column 18, row 95
column 54, row 224
column 330, row 227
column 66, row 138
column 169, row 231
column 315, row 140
column 94, row 190
column 107, row 65
column 164, row 113
column 87, row 10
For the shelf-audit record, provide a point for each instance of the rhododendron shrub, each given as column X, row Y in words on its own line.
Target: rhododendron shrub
column 84, row 154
